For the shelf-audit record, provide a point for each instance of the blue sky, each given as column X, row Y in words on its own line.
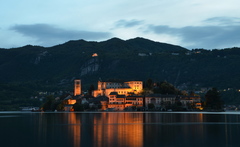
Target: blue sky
column 192, row 24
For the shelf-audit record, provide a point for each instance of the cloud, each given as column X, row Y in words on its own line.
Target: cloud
column 128, row 23
column 223, row 20
column 48, row 35
column 208, row 36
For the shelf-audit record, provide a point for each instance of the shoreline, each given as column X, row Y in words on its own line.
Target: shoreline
column 89, row 112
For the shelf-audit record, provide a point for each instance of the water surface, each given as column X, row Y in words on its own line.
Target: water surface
column 120, row 129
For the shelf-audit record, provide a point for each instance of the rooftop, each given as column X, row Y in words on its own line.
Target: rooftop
column 113, row 93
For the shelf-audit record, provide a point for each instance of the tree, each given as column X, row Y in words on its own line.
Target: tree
column 191, row 105
column 78, row 107
column 134, row 108
column 192, row 93
column 213, row 100
column 151, row 106
column 60, row 107
column 86, row 106
column 178, row 106
column 91, row 89
column 48, row 105
column 99, row 105
column 166, row 88
column 149, row 84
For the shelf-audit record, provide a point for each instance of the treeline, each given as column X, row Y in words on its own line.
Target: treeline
column 211, row 100
column 163, row 87
column 36, row 68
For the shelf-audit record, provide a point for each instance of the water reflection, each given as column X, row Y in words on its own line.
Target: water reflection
column 120, row 129
column 106, row 129
column 74, row 128
column 145, row 129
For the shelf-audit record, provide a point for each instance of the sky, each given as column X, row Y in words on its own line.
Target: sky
column 208, row 24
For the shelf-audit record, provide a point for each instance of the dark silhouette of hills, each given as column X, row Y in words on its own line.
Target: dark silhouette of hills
column 30, row 63
column 135, row 59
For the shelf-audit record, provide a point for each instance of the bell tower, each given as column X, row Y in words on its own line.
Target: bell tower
column 77, row 87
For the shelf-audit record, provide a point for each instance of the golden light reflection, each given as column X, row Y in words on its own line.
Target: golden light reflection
column 74, row 129
column 201, row 127
column 194, row 118
column 106, row 128
column 127, row 128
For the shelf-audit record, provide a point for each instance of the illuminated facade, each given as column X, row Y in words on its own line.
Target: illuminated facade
column 120, row 102
column 77, row 87
column 122, row 88
column 94, row 55
column 68, row 103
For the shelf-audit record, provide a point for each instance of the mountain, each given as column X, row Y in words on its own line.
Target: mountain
column 74, row 59
column 56, row 67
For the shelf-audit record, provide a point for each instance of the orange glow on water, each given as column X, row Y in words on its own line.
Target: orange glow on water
column 128, row 131
column 75, row 131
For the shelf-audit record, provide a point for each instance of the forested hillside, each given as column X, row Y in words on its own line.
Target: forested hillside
column 33, row 68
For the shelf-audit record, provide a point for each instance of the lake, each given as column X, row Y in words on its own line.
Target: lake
column 120, row 129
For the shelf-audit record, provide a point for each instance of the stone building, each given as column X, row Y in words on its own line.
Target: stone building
column 122, row 88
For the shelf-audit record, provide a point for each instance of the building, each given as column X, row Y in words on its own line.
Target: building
column 122, row 88
column 100, row 102
column 70, row 100
column 68, row 103
column 191, row 100
column 77, row 87
column 116, row 101
column 120, row 102
column 134, row 101
column 124, row 95
column 160, row 101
